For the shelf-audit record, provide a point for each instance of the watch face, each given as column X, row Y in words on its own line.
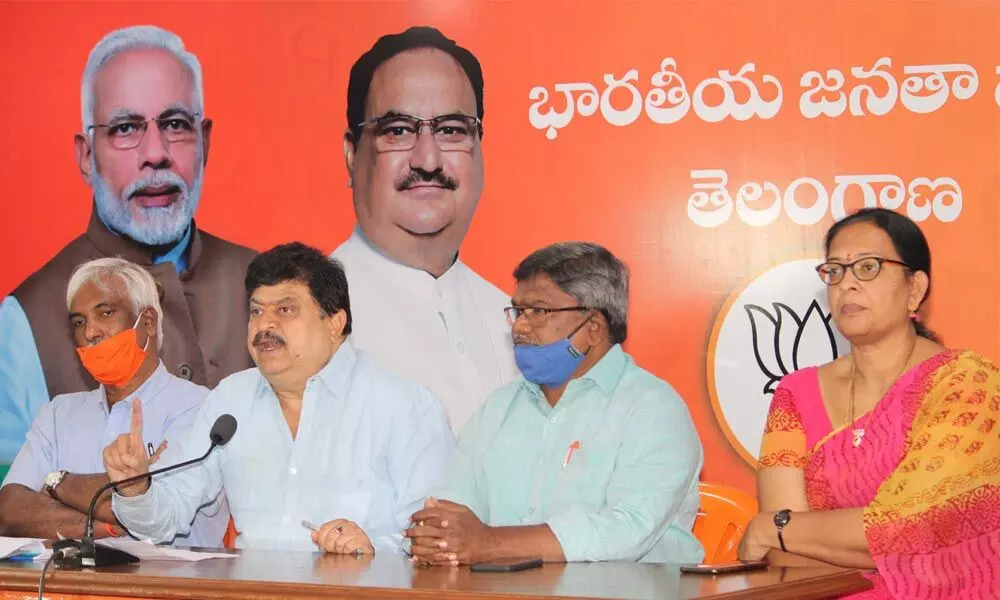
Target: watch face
column 53, row 479
column 782, row 517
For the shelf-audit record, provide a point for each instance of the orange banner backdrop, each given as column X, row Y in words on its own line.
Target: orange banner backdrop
column 707, row 144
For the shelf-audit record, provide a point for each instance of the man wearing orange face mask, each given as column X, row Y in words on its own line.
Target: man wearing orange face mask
column 116, row 322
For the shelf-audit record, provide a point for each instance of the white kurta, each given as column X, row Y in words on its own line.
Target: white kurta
column 448, row 334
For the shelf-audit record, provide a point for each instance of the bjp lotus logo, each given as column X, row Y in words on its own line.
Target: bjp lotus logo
column 779, row 323
column 784, row 342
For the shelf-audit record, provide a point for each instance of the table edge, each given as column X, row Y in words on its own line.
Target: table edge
column 117, row 583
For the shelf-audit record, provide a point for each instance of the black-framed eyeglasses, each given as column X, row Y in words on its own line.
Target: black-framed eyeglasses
column 125, row 134
column 536, row 315
column 452, row 132
column 864, row 269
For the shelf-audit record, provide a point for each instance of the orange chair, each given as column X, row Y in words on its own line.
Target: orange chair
column 722, row 518
column 229, row 540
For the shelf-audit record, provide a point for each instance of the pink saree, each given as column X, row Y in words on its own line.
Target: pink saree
column 927, row 473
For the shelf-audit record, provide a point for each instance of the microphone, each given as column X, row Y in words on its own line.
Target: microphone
column 89, row 554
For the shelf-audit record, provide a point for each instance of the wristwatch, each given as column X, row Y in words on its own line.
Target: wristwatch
column 782, row 518
column 52, row 480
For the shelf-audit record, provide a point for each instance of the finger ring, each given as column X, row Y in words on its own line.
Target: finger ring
column 338, row 529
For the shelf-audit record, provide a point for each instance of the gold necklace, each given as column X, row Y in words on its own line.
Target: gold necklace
column 859, row 432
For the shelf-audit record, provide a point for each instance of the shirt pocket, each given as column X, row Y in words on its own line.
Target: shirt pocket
column 586, row 478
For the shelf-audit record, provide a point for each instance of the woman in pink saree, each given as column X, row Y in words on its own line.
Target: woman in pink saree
column 886, row 459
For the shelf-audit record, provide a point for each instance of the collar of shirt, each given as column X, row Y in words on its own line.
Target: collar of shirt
column 184, row 255
column 148, row 391
column 177, row 254
column 415, row 280
column 606, row 375
column 335, row 375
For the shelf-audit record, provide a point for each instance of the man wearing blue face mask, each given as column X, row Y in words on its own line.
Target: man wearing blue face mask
column 589, row 458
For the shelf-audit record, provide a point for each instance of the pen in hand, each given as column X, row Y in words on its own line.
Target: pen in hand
column 338, row 529
column 309, row 525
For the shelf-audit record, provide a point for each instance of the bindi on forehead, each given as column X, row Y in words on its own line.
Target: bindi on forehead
column 860, row 240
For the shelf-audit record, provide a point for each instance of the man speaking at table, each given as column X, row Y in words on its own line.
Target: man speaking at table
column 325, row 435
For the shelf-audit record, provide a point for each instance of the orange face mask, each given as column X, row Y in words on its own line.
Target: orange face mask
column 115, row 360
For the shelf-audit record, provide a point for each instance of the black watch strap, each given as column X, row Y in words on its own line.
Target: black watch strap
column 782, row 518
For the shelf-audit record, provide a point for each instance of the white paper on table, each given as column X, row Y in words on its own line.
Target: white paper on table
column 146, row 550
column 9, row 546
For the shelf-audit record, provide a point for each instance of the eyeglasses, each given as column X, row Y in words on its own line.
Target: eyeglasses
column 535, row 315
column 454, row 132
column 128, row 133
column 865, row 269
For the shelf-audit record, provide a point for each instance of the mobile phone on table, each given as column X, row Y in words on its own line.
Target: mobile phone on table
column 507, row 565
column 725, row 568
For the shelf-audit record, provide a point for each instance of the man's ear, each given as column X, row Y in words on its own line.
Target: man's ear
column 82, row 150
column 350, row 148
column 598, row 329
column 206, row 139
column 148, row 321
column 337, row 322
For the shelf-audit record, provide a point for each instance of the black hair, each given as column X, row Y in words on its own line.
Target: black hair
column 907, row 239
column 296, row 261
column 388, row 46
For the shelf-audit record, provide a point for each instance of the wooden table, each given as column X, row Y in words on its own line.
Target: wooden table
column 263, row 575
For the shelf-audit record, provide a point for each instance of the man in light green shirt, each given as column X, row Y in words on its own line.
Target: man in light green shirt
column 589, row 457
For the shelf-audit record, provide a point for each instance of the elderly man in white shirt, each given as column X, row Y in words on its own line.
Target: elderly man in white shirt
column 116, row 321
column 418, row 309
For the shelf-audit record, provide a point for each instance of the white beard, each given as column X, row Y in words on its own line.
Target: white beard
column 153, row 226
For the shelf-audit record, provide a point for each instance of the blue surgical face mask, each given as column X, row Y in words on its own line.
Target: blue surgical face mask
column 549, row 364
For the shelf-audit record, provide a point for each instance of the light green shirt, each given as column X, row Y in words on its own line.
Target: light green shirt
column 612, row 469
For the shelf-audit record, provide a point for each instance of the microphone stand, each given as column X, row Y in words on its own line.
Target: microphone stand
column 87, row 554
